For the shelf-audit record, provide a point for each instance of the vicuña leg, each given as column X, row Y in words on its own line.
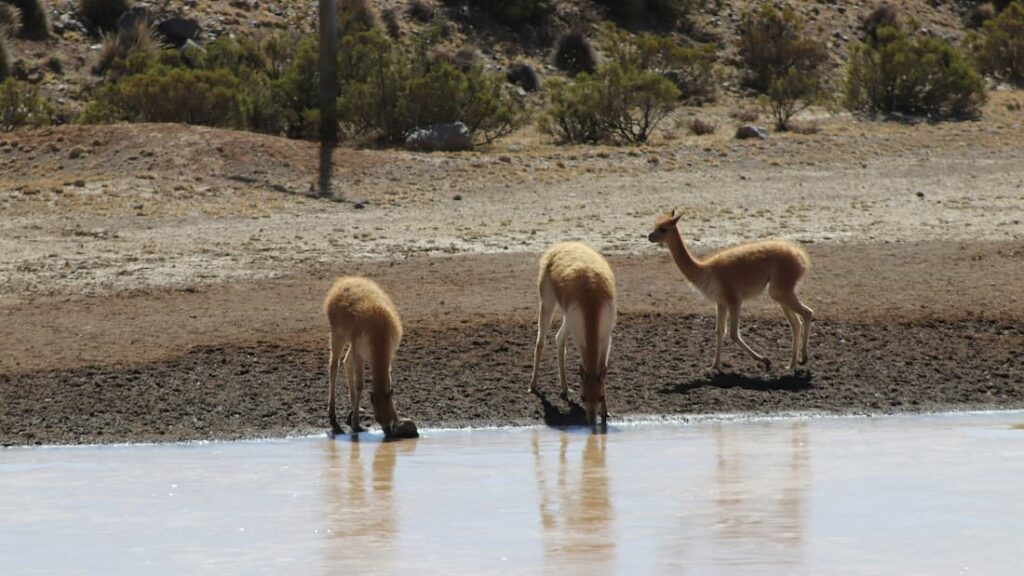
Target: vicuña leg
column 794, row 323
column 561, row 338
column 334, row 362
column 723, row 313
column 547, row 310
column 354, row 374
column 789, row 300
column 734, row 333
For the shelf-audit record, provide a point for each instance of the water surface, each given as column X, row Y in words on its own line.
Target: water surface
column 900, row 495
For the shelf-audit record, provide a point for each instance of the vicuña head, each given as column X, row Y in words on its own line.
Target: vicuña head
column 579, row 281
column 664, row 226
column 365, row 319
column 739, row 273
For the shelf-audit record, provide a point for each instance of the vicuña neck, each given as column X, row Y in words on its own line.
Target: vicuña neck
column 688, row 265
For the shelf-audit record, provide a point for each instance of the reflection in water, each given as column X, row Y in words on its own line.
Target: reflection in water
column 360, row 517
column 759, row 496
column 577, row 517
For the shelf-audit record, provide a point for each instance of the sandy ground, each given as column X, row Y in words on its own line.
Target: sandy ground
column 165, row 283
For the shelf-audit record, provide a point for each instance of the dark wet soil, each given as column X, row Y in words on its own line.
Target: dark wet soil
column 477, row 374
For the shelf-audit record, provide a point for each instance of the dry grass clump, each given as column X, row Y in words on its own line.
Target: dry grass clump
column 575, row 54
column 140, row 37
column 701, row 127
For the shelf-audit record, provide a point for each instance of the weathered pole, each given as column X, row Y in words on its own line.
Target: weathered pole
column 328, row 90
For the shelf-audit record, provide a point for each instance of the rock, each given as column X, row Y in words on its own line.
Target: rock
column 750, row 131
column 76, row 152
column 129, row 18
column 443, row 137
column 177, row 31
column 524, row 76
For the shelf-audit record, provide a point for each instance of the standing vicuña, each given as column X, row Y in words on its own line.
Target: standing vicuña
column 363, row 317
column 739, row 273
column 580, row 282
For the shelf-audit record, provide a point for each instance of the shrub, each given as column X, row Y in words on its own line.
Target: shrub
column 773, row 42
column 619, row 103
column 166, row 94
column 573, row 114
column 516, row 12
column 391, row 22
column 926, row 76
column 524, row 76
column 35, row 22
column 389, row 90
column 104, row 13
column 691, row 69
column 701, row 127
column 999, row 48
column 10, row 18
column 575, row 54
column 883, row 15
column 20, row 105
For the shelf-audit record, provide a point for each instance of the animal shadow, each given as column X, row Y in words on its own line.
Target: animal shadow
column 571, row 415
column 802, row 380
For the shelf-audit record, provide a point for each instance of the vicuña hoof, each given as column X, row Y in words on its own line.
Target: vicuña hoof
column 402, row 428
column 767, row 364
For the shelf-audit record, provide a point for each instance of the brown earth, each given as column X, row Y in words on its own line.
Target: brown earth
column 165, row 282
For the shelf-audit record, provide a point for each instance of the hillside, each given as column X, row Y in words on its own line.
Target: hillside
column 63, row 65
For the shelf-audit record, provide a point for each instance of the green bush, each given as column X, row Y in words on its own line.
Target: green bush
column 388, row 90
column 620, row 103
column 691, row 69
column 20, row 105
column 924, row 76
column 573, row 113
column 517, row 12
column 773, row 42
column 999, row 47
column 104, row 13
column 783, row 62
column 167, row 94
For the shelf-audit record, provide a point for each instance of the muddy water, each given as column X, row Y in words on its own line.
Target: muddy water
column 903, row 495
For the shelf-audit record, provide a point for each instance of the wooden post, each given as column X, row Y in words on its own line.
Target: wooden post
column 328, row 90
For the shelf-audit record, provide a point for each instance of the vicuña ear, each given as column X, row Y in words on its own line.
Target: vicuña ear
column 676, row 216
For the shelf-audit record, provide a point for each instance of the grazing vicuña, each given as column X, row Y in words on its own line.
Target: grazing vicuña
column 580, row 282
column 363, row 317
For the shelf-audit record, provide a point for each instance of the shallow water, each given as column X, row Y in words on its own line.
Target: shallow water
column 899, row 495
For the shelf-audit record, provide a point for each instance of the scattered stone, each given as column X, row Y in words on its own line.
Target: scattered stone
column 751, row 131
column 79, row 183
column 524, row 76
column 76, row 152
column 920, row 194
column 440, row 137
column 457, row 197
column 177, row 31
